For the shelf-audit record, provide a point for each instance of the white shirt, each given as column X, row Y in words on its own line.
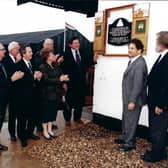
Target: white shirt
column 74, row 53
column 163, row 54
column 134, row 58
column 26, row 62
column 12, row 57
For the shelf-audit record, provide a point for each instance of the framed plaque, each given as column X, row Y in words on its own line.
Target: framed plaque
column 118, row 29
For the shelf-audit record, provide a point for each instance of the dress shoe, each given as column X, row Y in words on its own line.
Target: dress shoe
column 54, row 127
column 119, row 141
column 3, row 148
column 148, row 157
column 34, row 137
column 79, row 121
column 47, row 138
column 24, row 143
column 68, row 123
column 13, row 138
column 53, row 136
column 126, row 148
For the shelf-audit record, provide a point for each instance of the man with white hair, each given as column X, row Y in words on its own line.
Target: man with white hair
column 9, row 64
column 5, row 82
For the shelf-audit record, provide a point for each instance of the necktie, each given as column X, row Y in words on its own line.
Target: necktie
column 78, row 61
column 30, row 67
column 3, row 70
column 129, row 63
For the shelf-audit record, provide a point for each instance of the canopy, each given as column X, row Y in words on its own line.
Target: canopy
column 88, row 7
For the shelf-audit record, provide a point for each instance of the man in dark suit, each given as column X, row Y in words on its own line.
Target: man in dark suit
column 75, row 65
column 10, row 66
column 134, row 92
column 24, row 89
column 5, row 81
column 158, row 102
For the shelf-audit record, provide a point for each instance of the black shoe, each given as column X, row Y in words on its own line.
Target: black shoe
column 126, row 148
column 34, row 137
column 47, row 138
column 119, row 141
column 3, row 148
column 53, row 136
column 148, row 157
column 54, row 127
column 13, row 138
column 24, row 143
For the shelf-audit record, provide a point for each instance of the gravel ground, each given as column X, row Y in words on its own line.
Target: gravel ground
column 91, row 146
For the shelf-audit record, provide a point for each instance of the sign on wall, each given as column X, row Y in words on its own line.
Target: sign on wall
column 116, row 26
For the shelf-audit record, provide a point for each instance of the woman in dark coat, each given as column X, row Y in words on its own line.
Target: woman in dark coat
column 51, row 89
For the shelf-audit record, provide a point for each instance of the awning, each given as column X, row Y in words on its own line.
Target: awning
column 88, row 7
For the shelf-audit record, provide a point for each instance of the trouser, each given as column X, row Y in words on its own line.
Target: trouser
column 12, row 118
column 3, row 105
column 130, row 121
column 158, row 128
column 77, row 112
column 25, row 127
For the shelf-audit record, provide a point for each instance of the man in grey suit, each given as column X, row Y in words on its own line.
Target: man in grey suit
column 134, row 94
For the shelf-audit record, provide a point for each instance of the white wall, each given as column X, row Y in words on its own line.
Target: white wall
column 109, row 70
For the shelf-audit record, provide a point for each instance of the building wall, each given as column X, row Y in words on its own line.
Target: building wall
column 109, row 70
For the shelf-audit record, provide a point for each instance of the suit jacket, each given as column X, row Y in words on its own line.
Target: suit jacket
column 135, row 82
column 158, row 84
column 24, row 87
column 77, row 75
column 9, row 65
column 50, row 83
column 4, row 87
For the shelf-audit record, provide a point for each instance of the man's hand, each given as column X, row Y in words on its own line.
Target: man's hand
column 64, row 78
column 158, row 110
column 17, row 75
column 131, row 106
column 96, row 56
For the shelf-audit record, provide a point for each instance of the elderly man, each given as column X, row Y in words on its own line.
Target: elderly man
column 5, row 81
column 9, row 64
column 158, row 102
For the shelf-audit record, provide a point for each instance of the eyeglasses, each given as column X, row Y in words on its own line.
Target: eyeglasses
column 2, row 49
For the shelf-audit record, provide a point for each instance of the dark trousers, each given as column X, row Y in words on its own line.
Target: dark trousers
column 130, row 121
column 12, row 117
column 3, row 105
column 77, row 113
column 158, row 128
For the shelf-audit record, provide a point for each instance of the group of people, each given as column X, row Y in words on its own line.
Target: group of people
column 138, row 89
column 34, row 88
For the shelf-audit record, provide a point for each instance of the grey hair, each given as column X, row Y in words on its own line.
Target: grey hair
column 12, row 45
column 162, row 38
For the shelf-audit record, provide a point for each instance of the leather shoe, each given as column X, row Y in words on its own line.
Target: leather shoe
column 34, row 137
column 53, row 136
column 47, row 138
column 126, row 148
column 13, row 138
column 147, row 157
column 119, row 141
column 24, row 143
column 3, row 148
